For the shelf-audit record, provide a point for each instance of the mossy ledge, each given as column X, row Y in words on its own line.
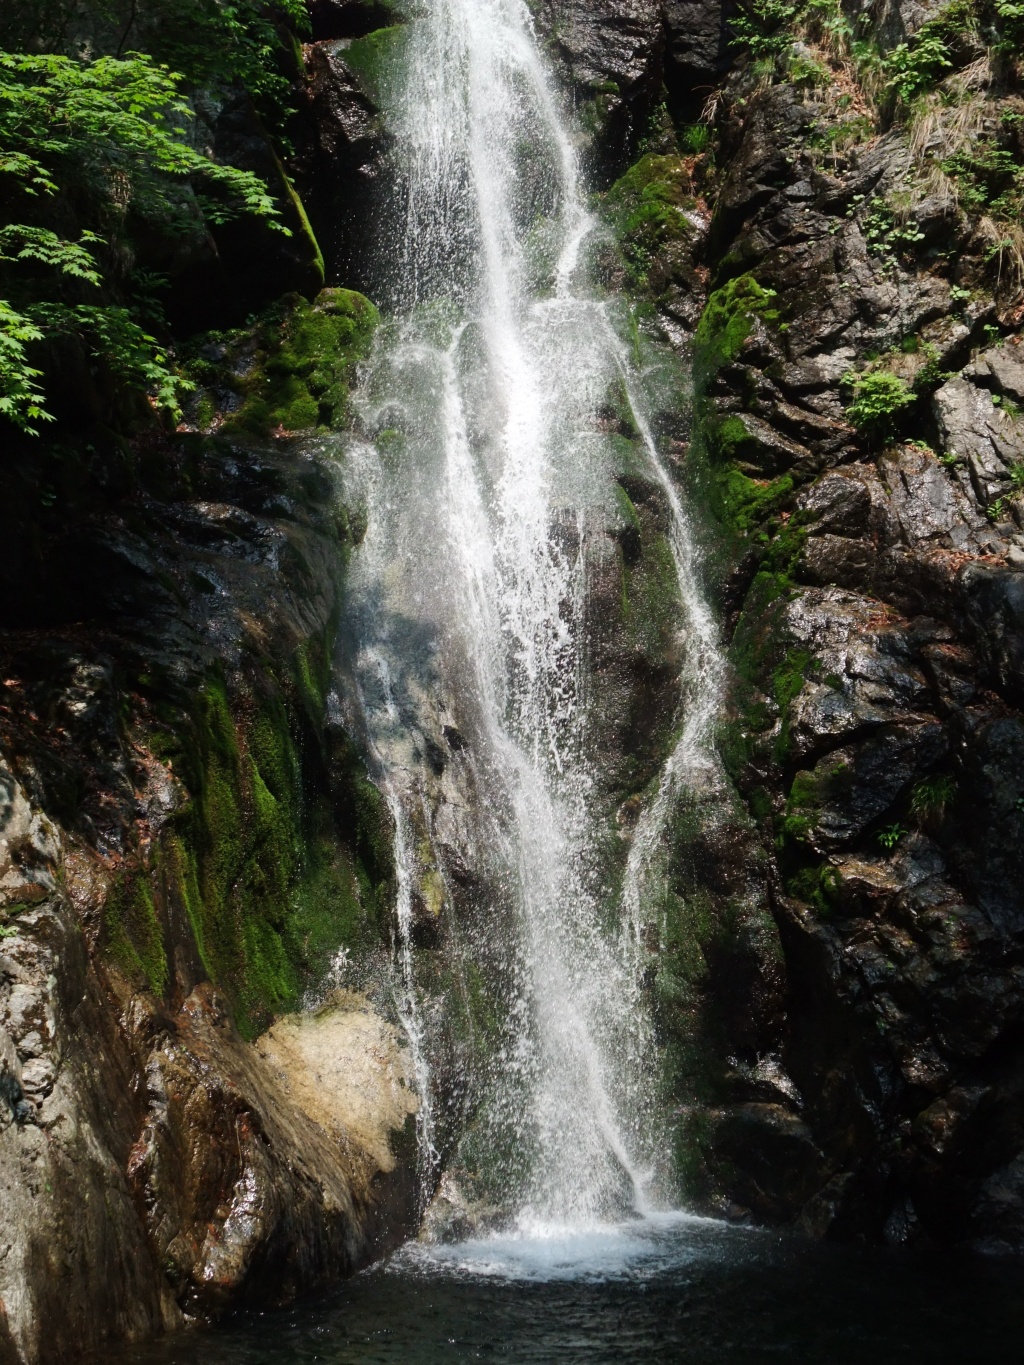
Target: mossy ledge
column 288, row 371
column 252, row 873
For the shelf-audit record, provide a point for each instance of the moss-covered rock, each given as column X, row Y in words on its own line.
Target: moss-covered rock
column 252, row 862
column 289, row 371
column 649, row 208
column 726, row 323
column 375, row 60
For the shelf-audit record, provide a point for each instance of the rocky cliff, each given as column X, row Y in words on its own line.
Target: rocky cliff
column 188, row 838
column 817, row 207
column 837, row 252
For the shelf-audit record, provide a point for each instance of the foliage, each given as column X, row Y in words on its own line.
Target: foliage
column 696, row 138
column 878, row 397
column 769, row 29
column 891, row 836
column 988, row 179
column 835, row 138
column 931, row 797
column 887, row 233
column 647, row 207
column 206, row 41
column 134, row 355
column 1010, row 14
column 931, row 374
column 764, row 28
column 21, row 399
column 109, row 136
column 919, row 64
column 290, row 370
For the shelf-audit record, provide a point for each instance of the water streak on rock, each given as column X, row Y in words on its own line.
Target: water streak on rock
column 488, row 486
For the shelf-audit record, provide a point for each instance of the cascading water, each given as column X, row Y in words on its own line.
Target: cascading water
column 488, row 485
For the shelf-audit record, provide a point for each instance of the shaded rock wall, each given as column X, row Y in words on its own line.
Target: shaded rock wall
column 176, row 812
column 866, row 559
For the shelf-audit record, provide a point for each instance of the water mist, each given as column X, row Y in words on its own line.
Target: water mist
column 488, row 483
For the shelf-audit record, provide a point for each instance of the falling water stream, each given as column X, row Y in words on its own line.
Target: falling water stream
column 486, row 481
column 488, row 488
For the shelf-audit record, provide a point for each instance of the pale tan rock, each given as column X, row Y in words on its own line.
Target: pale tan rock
column 345, row 1068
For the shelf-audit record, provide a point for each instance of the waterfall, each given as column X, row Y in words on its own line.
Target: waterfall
column 488, row 484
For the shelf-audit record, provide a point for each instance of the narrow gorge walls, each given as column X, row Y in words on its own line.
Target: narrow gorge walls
column 574, row 698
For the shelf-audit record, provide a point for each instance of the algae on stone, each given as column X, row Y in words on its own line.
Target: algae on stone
column 290, row 371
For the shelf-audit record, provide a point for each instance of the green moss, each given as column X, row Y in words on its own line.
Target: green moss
column 313, row 672
column 802, row 806
column 768, row 673
column 134, row 935
column 810, row 791
column 744, row 505
column 647, row 209
column 254, row 863
column 301, row 218
column 726, row 323
column 788, row 679
column 291, row 370
column 375, row 60
column 817, row 886
column 650, row 598
column 625, row 505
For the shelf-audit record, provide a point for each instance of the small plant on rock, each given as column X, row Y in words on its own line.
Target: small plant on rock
column 764, row 27
column 891, row 836
column 696, row 138
column 889, row 232
column 878, row 398
column 920, row 63
column 931, row 798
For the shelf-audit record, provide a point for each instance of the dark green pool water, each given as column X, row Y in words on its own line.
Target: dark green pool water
column 671, row 1290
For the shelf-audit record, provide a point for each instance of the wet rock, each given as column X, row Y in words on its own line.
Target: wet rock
column 839, row 503
column 145, row 1148
column 776, row 1160
column 985, row 436
column 851, row 789
column 698, row 50
column 837, row 559
column 332, row 19
column 611, row 54
column 929, row 506
column 265, row 1171
column 64, row 1195
column 347, row 129
column 452, row 1216
column 874, row 707
column 995, row 604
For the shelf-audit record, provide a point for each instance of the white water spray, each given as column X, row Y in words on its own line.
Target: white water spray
column 488, row 486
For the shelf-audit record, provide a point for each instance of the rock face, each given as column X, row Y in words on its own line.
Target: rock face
column 869, row 572
column 838, row 978
column 156, row 1168
column 611, row 55
column 697, row 50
